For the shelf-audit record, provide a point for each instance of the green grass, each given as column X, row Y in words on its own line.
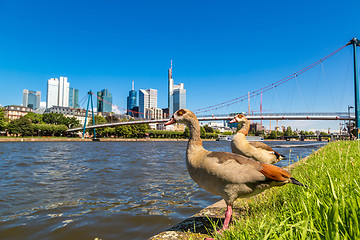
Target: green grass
column 327, row 209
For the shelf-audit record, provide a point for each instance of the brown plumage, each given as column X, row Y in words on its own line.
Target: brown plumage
column 255, row 150
column 228, row 175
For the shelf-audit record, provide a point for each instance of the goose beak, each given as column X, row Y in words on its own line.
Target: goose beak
column 233, row 120
column 171, row 121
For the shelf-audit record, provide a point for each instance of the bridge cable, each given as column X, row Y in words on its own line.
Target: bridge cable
column 268, row 87
column 346, row 80
column 301, row 94
column 328, row 85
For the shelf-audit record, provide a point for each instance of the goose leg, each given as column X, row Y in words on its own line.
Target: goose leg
column 228, row 215
column 227, row 220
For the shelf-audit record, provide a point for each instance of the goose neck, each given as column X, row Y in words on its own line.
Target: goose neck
column 194, row 129
column 245, row 128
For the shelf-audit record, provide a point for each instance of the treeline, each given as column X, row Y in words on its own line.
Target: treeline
column 125, row 131
column 288, row 132
column 142, row 130
column 32, row 124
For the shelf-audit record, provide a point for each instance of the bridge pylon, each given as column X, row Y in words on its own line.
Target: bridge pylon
column 356, row 43
column 90, row 93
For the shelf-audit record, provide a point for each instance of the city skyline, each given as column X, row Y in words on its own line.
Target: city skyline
column 221, row 51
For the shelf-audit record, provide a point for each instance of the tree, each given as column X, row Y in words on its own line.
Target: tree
column 228, row 133
column 98, row 120
column 2, row 120
column 132, row 131
column 22, row 127
column 109, row 131
column 139, row 130
column 186, row 132
column 208, row 129
column 272, row 135
column 70, row 122
column 202, row 132
column 288, row 131
column 123, row 131
column 34, row 117
column 252, row 132
column 53, row 118
column 111, row 119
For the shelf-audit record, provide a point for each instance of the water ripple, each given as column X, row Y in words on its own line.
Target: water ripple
column 113, row 190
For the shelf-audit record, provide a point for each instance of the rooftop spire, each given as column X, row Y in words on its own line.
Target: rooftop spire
column 132, row 88
column 171, row 64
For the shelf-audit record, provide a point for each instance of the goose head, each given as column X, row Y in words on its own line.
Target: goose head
column 181, row 116
column 239, row 119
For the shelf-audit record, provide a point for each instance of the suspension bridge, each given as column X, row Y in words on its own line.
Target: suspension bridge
column 346, row 116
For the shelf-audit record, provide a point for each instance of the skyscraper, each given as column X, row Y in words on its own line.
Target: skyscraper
column 147, row 99
column 52, row 98
column 57, row 92
column 31, row 99
column 73, row 97
column 63, row 94
column 104, row 102
column 176, row 94
column 131, row 101
column 179, row 98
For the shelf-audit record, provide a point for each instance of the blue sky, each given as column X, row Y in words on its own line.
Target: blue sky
column 220, row 50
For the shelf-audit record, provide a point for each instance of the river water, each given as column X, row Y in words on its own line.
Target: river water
column 109, row 190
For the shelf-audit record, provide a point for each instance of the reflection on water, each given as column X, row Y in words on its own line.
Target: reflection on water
column 103, row 189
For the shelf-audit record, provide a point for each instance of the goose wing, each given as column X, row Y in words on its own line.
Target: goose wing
column 235, row 168
column 266, row 147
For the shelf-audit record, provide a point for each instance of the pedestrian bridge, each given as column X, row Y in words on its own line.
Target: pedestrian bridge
column 225, row 117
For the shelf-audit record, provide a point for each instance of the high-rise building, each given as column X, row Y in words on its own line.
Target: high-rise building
column 131, row 101
column 147, row 99
column 104, row 102
column 153, row 113
column 179, row 98
column 176, row 94
column 31, row 99
column 57, row 92
column 52, row 98
column 73, row 97
column 63, row 94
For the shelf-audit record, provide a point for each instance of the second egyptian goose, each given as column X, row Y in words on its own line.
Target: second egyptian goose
column 228, row 175
column 255, row 150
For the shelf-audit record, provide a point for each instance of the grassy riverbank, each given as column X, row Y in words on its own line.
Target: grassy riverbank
column 329, row 208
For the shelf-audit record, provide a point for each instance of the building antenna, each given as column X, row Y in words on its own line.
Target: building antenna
column 132, row 86
column 171, row 64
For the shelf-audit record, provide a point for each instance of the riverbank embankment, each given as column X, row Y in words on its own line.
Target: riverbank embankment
column 326, row 209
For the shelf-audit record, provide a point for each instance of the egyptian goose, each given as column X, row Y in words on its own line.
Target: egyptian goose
column 255, row 150
column 228, row 175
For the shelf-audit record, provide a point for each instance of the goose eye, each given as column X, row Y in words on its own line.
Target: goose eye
column 181, row 112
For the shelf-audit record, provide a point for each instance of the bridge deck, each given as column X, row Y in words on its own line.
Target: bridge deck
column 224, row 118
